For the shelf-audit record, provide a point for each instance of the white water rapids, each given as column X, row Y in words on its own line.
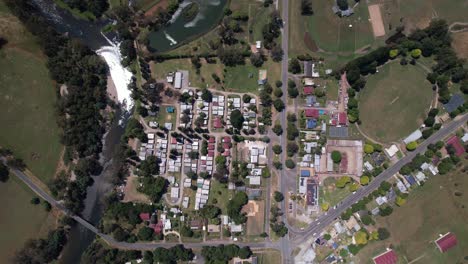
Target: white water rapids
column 120, row 75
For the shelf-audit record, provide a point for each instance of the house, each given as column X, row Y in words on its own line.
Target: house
column 465, row 138
column 254, row 193
column 308, row 81
column 170, row 77
column 368, row 166
column 312, row 193
column 258, row 44
column 262, row 77
column 392, row 150
column 311, row 100
column 342, row 119
column 144, row 216
column 352, row 224
column 217, row 124
column 254, row 180
column 253, row 49
column 446, row 242
column 236, row 228
column 339, row 228
column 410, row 179
column 420, row 176
column 308, row 68
column 196, row 224
column 308, row 90
column 454, row 141
column 311, row 123
column 178, row 80
column 310, row 112
column 388, row 257
column 430, row 167
column 413, row 136
column 175, row 192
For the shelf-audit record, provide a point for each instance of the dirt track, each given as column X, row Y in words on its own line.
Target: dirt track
column 376, row 20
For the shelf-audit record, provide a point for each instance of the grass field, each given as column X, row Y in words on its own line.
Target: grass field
column 236, row 79
column 326, row 31
column 219, row 193
column 27, row 98
column 431, row 210
column 19, row 219
column 269, row 257
column 331, row 194
column 394, row 102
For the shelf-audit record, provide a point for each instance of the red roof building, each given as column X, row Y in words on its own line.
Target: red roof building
column 212, row 139
column 333, row 122
column 227, row 153
column 312, row 113
column 308, row 90
column 145, row 216
column 173, row 140
column 226, row 146
column 454, row 141
column 342, row 119
column 446, row 242
column 227, row 140
column 388, row 257
column 217, row 123
column 211, row 146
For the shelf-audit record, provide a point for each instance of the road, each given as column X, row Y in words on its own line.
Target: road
column 325, row 220
column 285, row 175
column 301, row 236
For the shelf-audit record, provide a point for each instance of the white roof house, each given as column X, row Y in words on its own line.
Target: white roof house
column 413, row 136
column 175, row 192
column 178, row 80
column 392, row 150
column 465, row 138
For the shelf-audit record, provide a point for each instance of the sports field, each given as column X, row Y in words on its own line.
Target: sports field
column 394, row 102
column 431, row 210
column 325, row 31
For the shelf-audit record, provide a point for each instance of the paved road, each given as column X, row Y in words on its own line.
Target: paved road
column 284, row 176
column 325, row 220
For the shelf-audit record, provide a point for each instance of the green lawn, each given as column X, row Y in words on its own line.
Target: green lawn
column 431, row 210
column 219, row 195
column 75, row 12
column 19, row 219
column 27, row 99
column 330, row 194
column 329, row 32
column 269, row 257
column 394, row 102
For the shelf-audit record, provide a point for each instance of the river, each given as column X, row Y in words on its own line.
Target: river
column 90, row 34
column 180, row 31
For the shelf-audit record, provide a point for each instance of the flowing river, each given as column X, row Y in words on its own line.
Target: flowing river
column 89, row 32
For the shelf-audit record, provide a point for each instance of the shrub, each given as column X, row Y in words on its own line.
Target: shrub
column 412, row 146
column 368, row 149
column 336, row 156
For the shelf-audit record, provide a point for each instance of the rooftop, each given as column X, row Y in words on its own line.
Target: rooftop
column 446, row 242
column 388, row 257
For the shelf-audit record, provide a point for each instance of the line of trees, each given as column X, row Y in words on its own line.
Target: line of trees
column 224, row 253
column 97, row 7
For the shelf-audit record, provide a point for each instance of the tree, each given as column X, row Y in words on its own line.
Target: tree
column 277, row 53
column 368, row 148
column 416, row 53
column 4, row 172
column 353, row 187
column 234, row 207
column 256, row 59
column 364, row 180
column 277, row 149
column 383, row 233
column 278, row 92
column 149, row 167
column 210, row 211
column 277, row 129
column 374, row 235
column 293, row 92
column 207, row 96
column 325, row 206
column 35, row 201
column 294, row 66
column 244, row 253
column 145, row 233
column 306, row 8
column 290, row 164
column 16, row 163
column 342, row 181
column 367, row 220
column 237, row 119
column 400, row 201
column 336, row 156
column 393, row 53
column 385, row 211
column 361, row 237
column 342, row 4
column 412, row 146
column 327, row 236
column 279, row 104
column 343, row 253
column 292, row 148
column 430, row 121
column 185, row 231
column 279, row 197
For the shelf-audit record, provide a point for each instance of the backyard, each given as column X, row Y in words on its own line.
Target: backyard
column 394, row 102
column 431, row 210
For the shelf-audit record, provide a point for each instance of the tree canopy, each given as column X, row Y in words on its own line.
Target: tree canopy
column 336, row 156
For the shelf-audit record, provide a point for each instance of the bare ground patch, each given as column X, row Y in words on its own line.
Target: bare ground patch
column 460, row 44
column 376, row 20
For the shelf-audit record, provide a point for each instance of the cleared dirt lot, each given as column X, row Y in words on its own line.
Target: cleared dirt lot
column 255, row 211
column 351, row 152
column 376, row 20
